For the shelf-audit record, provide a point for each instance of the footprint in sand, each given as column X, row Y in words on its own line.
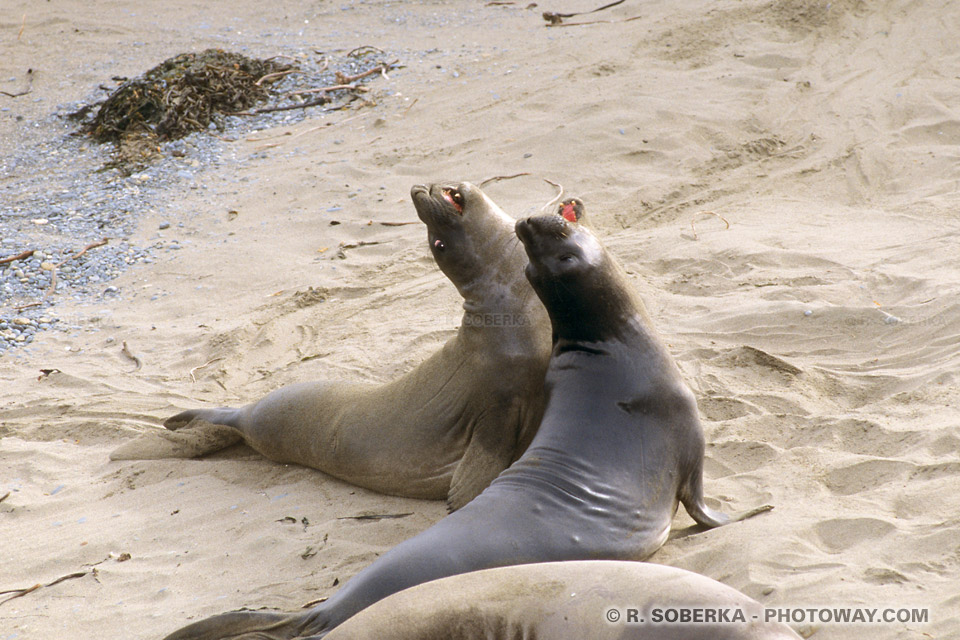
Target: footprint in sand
column 840, row 534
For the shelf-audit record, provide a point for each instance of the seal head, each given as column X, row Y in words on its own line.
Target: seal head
column 570, row 271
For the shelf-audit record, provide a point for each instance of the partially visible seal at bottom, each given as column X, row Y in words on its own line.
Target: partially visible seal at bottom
column 598, row 599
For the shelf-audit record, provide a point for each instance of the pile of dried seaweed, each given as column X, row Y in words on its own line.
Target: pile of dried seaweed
column 181, row 95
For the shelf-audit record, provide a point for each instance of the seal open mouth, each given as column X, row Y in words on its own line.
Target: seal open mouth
column 571, row 209
column 437, row 203
column 454, row 197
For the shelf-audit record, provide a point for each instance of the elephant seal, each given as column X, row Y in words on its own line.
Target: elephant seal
column 447, row 428
column 619, row 446
column 596, row 599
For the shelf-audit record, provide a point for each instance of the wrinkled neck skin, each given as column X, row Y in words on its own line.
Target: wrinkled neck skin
column 608, row 309
column 499, row 296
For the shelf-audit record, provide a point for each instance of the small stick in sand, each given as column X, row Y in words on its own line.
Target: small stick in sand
column 23, row 23
column 4, row 496
column 25, row 91
column 365, row 49
column 409, row 106
column 311, row 103
column 280, row 55
column 376, row 516
column 92, row 245
column 20, row 256
column 126, row 351
column 499, row 178
column 53, row 271
column 558, row 196
column 17, row 593
column 705, row 213
column 205, row 364
column 336, row 87
column 381, row 68
column 278, row 74
column 580, row 24
column 556, row 18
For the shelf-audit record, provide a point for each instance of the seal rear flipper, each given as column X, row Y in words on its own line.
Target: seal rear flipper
column 224, row 415
column 691, row 495
column 196, row 440
column 708, row 517
column 490, row 451
column 258, row 624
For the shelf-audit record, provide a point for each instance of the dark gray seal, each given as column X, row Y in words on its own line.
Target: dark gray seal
column 619, row 446
column 580, row 600
column 449, row 426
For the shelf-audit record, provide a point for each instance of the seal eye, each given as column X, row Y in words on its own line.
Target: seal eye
column 567, row 257
column 438, row 245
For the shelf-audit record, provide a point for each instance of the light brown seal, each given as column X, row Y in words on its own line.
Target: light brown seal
column 449, row 426
column 595, row 599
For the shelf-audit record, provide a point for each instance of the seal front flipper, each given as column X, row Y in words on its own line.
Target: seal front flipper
column 486, row 456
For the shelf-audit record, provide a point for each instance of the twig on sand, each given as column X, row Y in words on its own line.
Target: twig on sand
column 396, row 224
column 53, row 270
column 342, row 249
column 336, row 87
column 312, row 103
column 705, row 213
column 29, row 81
column 278, row 74
column 193, row 378
column 409, row 106
column 555, row 199
column 280, row 55
column 499, row 178
column 556, row 18
column 365, row 49
column 23, row 23
column 20, row 256
column 92, row 245
column 17, row 593
column 15, row 95
column 580, row 24
column 126, row 351
column 381, row 68
column 376, row 516
column 4, row 496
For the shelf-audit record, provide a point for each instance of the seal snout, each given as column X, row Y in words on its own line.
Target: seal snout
column 436, row 202
column 545, row 226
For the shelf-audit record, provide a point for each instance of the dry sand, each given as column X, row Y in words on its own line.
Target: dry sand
column 819, row 331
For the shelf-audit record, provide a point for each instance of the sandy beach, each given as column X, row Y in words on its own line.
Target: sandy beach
column 781, row 179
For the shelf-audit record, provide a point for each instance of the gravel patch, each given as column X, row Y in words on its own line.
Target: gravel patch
column 61, row 193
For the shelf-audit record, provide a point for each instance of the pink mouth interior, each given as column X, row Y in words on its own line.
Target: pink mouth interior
column 569, row 213
column 449, row 198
